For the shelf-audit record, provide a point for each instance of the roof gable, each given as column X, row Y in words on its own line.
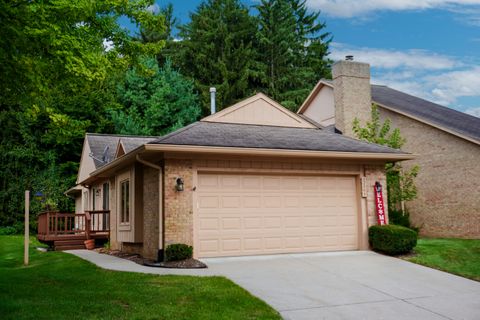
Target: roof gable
column 87, row 164
column 120, row 149
column 259, row 110
column 313, row 94
column 446, row 119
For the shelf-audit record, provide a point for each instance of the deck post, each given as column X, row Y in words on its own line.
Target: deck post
column 27, row 227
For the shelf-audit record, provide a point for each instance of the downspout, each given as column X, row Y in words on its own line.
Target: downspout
column 161, row 237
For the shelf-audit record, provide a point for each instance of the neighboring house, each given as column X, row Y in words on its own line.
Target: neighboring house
column 446, row 144
column 251, row 179
column 98, row 150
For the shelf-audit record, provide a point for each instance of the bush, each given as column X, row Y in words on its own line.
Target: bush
column 401, row 219
column 6, row 231
column 178, row 251
column 392, row 239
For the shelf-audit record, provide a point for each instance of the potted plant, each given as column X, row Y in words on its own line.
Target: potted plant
column 89, row 244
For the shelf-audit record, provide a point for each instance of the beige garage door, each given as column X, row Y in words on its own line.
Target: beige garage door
column 265, row 214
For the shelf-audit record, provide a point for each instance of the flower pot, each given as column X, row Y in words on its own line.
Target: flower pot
column 89, row 244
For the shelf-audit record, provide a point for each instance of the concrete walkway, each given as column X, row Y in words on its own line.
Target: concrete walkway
column 346, row 285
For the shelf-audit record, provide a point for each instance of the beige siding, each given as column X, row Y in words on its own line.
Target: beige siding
column 133, row 230
column 321, row 107
column 87, row 165
column 448, row 203
column 261, row 110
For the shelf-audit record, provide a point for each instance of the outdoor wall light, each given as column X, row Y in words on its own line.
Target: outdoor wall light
column 179, row 185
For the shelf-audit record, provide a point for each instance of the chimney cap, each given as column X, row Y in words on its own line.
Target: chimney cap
column 349, row 57
column 213, row 89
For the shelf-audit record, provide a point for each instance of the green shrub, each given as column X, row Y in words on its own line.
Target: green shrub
column 401, row 219
column 178, row 251
column 6, row 231
column 392, row 239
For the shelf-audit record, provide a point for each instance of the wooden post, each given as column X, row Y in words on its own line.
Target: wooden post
column 27, row 227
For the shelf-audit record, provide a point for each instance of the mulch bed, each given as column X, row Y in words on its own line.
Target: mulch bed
column 183, row 264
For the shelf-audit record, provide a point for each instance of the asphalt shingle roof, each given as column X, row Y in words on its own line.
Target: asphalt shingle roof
column 436, row 114
column 98, row 143
column 216, row 134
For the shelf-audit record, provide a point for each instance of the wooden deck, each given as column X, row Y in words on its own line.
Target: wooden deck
column 68, row 230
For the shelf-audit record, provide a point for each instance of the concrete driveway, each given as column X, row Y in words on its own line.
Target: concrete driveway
column 352, row 285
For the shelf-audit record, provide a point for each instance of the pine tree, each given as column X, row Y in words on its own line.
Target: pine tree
column 292, row 48
column 217, row 50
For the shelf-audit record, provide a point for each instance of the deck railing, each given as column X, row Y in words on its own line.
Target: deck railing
column 52, row 225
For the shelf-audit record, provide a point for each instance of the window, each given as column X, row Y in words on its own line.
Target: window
column 85, row 201
column 94, row 198
column 125, row 201
column 106, row 200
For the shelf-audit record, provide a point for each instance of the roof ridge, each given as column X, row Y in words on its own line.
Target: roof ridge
column 257, row 125
column 118, row 135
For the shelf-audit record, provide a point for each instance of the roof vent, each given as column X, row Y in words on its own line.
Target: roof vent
column 349, row 58
column 212, row 100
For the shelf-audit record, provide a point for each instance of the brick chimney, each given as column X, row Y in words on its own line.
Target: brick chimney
column 352, row 94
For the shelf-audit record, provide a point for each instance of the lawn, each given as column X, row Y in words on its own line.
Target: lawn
column 458, row 256
column 58, row 285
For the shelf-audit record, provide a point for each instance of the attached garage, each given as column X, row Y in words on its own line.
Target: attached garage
column 251, row 179
column 251, row 214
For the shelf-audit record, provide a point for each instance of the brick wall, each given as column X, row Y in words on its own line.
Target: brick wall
column 150, row 213
column 448, row 203
column 375, row 173
column 178, row 207
column 351, row 81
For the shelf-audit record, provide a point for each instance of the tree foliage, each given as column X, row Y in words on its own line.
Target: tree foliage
column 217, row 50
column 292, row 50
column 400, row 182
column 57, row 79
column 155, row 102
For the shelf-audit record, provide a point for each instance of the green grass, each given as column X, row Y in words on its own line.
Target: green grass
column 457, row 256
column 58, row 285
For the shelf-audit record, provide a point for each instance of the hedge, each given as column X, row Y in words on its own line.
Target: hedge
column 178, row 251
column 392, row 239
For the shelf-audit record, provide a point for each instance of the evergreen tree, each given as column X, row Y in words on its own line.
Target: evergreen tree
column 155, row 101
column 292, row 48
column 217, row 50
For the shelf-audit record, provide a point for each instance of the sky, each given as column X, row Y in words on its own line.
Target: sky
column 427, row 48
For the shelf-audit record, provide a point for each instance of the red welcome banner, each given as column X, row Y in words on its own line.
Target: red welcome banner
column 379, row 204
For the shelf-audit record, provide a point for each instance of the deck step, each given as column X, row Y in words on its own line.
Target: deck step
column 69, row 247
column 68, row 242
column 61, row 245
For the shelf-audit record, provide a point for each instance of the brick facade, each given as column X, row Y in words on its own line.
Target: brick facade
column 351, row 81
column 375, row 173
column 150, row 213
column 448, row 203
column 178, row 206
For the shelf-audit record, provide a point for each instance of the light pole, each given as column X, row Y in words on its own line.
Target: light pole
column 27, row 227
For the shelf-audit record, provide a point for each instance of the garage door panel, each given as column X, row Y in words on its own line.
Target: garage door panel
column 284, row 214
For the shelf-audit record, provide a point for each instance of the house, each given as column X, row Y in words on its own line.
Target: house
column 254, row 178
column 446, row 142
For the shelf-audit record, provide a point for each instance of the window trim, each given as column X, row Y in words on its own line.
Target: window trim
column 125, row 202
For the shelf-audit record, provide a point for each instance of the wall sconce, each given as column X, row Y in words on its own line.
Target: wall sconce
column 179, row 184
